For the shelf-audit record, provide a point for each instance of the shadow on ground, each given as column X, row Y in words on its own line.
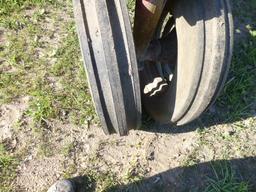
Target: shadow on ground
column 193, row 178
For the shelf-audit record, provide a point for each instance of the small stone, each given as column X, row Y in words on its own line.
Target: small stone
column 42, row 12
column 30, row 157
column 62, row 186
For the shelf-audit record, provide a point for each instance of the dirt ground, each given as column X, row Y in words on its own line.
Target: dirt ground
column 169, row 159
column 156, row 158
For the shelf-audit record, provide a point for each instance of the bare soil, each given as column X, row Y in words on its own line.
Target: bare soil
column 160, row 158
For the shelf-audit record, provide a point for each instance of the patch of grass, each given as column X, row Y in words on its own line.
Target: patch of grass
column 75, row 95
column 104, row 181
column 240, row 92
column 92, row 179
column 41, row 107
column 192, row 158
column 59, row 89
column 8, row 166
column 69, row 171
column 67, row 149
column 131, row 8
column 225, row 180
column 243, row 9
column 134, row 173
column 21, row 67
column 9, row 6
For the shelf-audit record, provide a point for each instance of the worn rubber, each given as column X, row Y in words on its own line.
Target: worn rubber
column 109, row 56
column 205, row 40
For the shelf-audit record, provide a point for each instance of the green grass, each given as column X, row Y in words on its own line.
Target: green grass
column 8, row 166
column 104, row 181
column 31, row 75
column 243, row 9
column 225, row 180
column 240, row 92
column 131, row 8
column 74, row 96
column 58, row 90
column 41, row 108
column 9, row 6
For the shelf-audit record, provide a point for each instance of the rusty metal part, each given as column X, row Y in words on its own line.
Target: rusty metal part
column 159, row 59
column 147, row 15
column 157, row 52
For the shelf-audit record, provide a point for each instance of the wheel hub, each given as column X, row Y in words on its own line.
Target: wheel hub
column 160, row 59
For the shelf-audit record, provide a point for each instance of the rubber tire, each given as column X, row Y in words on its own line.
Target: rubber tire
column 107, row 46
column 205, row 40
